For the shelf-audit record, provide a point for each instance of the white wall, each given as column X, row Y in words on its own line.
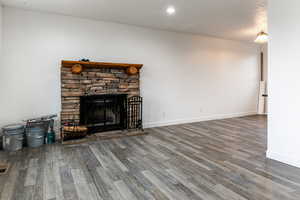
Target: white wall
column 1, row 42
column 1, row 31
column 284, row 82
column 185, row 77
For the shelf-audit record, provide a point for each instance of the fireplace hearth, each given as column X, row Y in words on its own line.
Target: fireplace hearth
column 103, row 112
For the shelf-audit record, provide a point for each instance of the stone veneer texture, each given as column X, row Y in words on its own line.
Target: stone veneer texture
column 93, row 81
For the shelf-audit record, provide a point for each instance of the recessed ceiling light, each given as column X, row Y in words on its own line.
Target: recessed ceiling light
column 171, row 10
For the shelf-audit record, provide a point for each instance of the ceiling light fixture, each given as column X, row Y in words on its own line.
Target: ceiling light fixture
column 262, row 37
column 171, row 10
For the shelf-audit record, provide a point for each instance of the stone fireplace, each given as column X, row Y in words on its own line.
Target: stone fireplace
column 92, row 93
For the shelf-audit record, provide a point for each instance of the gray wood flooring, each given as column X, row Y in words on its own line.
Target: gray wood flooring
column 223, row 159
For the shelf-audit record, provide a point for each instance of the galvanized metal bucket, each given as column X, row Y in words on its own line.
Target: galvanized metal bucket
column 13, row 137
column 35, row 134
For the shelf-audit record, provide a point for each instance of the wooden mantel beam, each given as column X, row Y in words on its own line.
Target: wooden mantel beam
column 66, row 63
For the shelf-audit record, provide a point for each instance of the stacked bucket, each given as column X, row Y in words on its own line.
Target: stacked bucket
column 13, row 137
column 34, row 134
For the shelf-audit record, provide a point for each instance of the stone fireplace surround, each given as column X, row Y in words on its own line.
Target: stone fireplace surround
column 95, row 79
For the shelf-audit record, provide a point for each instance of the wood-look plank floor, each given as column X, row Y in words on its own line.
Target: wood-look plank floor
column 214, row 160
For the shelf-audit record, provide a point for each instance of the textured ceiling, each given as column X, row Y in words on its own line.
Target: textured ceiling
column 230, row 19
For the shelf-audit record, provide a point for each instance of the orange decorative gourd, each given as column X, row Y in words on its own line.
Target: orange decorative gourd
column 77, row 69
column 132, row 70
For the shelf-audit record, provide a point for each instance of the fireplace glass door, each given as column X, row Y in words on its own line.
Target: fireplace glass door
column 103, row 112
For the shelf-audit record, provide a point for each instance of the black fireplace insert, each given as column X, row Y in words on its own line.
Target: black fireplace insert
column 104, row 112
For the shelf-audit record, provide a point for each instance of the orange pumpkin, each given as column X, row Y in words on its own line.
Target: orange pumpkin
column 77, row 69
column 132, row 70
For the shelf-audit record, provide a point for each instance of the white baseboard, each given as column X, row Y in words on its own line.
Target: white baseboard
column 205, row 118
column 290, row 160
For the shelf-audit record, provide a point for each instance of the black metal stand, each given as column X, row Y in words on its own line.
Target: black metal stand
column 135, row 113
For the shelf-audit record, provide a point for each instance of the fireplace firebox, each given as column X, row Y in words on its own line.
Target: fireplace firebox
column 103, row 112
